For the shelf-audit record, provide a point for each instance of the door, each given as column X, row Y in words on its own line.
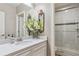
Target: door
column 66, row 29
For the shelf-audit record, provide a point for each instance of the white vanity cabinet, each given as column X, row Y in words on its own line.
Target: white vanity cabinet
column 39, row 49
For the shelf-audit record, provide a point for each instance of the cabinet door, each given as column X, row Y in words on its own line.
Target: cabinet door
column 39, row 51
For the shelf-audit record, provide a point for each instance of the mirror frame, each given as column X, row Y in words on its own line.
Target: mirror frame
column 40, row 14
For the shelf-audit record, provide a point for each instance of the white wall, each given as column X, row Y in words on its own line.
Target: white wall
column 49, row 24
column 10, row 14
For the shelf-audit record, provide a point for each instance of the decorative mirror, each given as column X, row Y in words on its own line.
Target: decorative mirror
column 41, row 17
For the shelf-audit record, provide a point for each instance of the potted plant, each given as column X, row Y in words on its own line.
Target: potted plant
column 34, row 27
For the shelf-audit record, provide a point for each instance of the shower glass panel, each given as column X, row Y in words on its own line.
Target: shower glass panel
column 67, row 31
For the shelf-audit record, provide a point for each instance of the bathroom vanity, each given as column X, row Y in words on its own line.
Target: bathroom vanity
column 28, row 47
column 13, row 25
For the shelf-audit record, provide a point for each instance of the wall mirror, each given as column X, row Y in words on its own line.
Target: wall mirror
column 41, row 17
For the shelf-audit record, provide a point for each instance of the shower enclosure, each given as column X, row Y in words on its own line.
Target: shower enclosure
column 67, row 31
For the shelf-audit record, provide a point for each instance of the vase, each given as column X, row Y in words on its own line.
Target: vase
column 35, row 35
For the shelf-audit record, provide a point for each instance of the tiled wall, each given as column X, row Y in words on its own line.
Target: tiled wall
column 66, row 35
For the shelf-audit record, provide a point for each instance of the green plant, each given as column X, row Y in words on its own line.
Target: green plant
column 35, row 27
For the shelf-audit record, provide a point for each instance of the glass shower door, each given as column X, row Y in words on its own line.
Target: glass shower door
column 67, row 31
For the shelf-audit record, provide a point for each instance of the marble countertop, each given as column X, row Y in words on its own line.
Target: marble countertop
column 8, row 48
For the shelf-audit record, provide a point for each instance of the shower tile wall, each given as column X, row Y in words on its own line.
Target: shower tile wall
column 66, row 35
